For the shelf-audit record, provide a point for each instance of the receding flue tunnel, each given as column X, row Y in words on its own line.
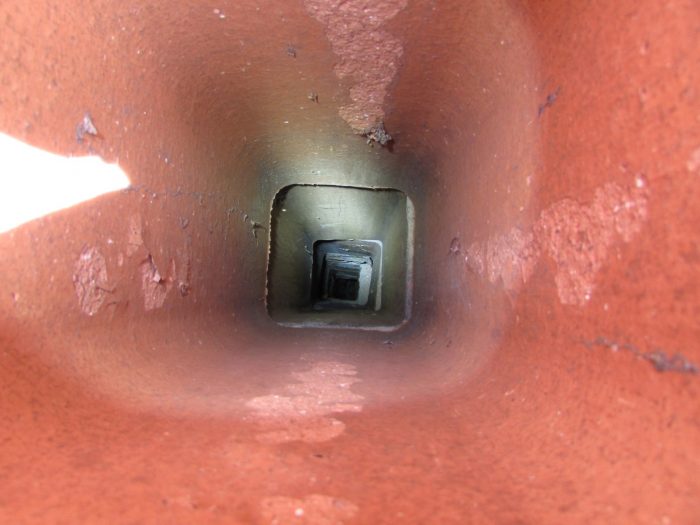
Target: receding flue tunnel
column 347, row 274
column 340, row 256
column 397, row 261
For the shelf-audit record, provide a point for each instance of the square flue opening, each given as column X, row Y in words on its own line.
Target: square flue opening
column 346, row 274
column 340, row 257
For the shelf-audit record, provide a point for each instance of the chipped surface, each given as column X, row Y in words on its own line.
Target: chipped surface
column 304, row 414
column 369, row 56
column 377, row 134
column 90, row 280
column 316, row 509
column 155, row 286
column 85, row 127
column 576, row 236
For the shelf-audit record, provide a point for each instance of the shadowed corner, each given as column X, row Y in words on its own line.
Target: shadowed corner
column 36, row 183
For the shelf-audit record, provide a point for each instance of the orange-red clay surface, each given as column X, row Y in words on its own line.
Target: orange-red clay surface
column 549, row 373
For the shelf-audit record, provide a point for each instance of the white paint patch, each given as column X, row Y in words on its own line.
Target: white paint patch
column 368, row 55
column 90, row 280
column 576, row 236
column 303, row 414
column 315, row 509
column 155, row 286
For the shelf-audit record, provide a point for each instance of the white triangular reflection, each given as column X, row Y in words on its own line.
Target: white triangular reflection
column 34, row 182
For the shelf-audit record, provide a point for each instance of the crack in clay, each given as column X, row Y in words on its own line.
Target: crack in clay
column 576, row 237
column 368, row 55
column 658, row 358
column 318, row 509
column 303, row 415
column 549, row 102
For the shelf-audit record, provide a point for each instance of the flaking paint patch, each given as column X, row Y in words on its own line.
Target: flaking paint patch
column 315, row 509
column 577, row 237
column 508, row 258
column 90, row 280
column 155, row 286
column 369, row 56
column 303, row 414
column 511, row 258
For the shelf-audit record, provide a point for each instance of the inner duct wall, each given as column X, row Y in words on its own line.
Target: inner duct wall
column 304, row 215
column 548, row 373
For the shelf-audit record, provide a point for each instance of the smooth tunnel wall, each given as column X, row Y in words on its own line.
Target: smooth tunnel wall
column 377, row 262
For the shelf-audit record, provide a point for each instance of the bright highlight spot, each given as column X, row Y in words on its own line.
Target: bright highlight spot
column 34, row 183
